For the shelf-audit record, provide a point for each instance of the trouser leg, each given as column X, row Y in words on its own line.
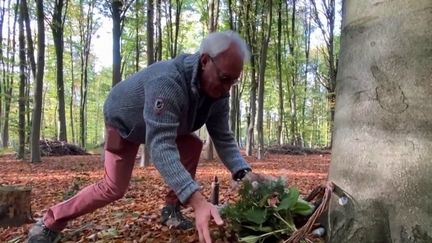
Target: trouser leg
column 119, row 161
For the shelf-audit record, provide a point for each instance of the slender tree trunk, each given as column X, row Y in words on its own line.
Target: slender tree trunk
column 116, row 12
column 307, row 32
column 234, row 97
column 158, row 49
column 10, row 68
column 251, row 39
column 179, row 4
column 21, row 101
column 138, row 7
column 3, row 66
column 57, row 27
column 30, row 45
column 265, row 38
column 86, row 35
column 71, row 104
column 37, row 110
column 381, row 156
column 145, row 156
column 327, row 31
column 279, row 75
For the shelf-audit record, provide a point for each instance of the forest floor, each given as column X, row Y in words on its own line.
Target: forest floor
column 135, row 217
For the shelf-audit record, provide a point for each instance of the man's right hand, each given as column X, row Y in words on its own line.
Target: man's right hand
column 204, row 211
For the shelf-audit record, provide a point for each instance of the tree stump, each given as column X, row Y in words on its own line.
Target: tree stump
column 15, row 207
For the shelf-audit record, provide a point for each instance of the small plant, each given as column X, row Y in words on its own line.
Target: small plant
column 265, row 211
column 74, row 187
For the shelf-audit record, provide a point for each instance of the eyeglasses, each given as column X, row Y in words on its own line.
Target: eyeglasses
column 223, row 78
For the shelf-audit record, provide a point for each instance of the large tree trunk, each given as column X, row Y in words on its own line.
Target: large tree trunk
column 37, row 110
column 382, row 153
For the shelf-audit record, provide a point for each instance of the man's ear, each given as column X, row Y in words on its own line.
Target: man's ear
column 204, row 59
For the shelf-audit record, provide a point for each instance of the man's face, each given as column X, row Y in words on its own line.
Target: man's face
column 220, row 73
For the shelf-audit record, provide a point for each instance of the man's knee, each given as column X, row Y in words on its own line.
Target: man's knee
column 111, row 192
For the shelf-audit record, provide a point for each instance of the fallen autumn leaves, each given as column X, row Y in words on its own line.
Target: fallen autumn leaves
column 135, row 218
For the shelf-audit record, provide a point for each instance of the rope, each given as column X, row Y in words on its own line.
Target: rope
column 304, row 232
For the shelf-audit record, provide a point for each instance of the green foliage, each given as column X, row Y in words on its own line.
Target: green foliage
column 266, row 210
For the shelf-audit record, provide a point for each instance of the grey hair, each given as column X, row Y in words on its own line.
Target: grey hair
column 217, row 42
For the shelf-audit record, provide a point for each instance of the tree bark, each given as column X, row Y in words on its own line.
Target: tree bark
column 381, row 152
column 71, row 104
column 145, row 156
column 37, row 109
column 57, row 27
column 250, row 28
column 279, row 75
column 10, row 67
column 116, row 12
column 22, row 67
column 30, row 45
column 265, row 38
column 15, row 206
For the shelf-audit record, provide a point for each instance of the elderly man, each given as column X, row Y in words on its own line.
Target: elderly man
column 162, row 105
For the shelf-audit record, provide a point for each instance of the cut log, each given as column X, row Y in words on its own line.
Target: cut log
column 15, row 207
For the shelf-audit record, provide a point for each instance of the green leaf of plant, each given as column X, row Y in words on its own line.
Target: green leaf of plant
column 265, row 229
column 303, row 207
column 289, row 200
column 250, row 239
column 256, row 215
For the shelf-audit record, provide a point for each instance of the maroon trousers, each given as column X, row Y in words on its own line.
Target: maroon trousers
column 120, row 157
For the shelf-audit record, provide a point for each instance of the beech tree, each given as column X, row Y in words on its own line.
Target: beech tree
column 381, row 156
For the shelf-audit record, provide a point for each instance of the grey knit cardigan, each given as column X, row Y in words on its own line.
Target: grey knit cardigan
column 161, row 102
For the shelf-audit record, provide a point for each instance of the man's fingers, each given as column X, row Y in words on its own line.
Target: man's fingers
column 216, row 216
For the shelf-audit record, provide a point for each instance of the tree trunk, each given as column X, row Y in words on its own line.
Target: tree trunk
column 381, row 152
column 279, row 75
column 15, row 206
column 2, row 60
column 116, row 12
column 158, row 49
column 265, row 38
column 71, row 104
column 37, row 109
column 10, row 68
column 327, row 31
column 30, row 45
column 86, row 37
column 21, row 101
column 145, row 156
column 307, row 33
column 251, row 39
column 57, row 27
